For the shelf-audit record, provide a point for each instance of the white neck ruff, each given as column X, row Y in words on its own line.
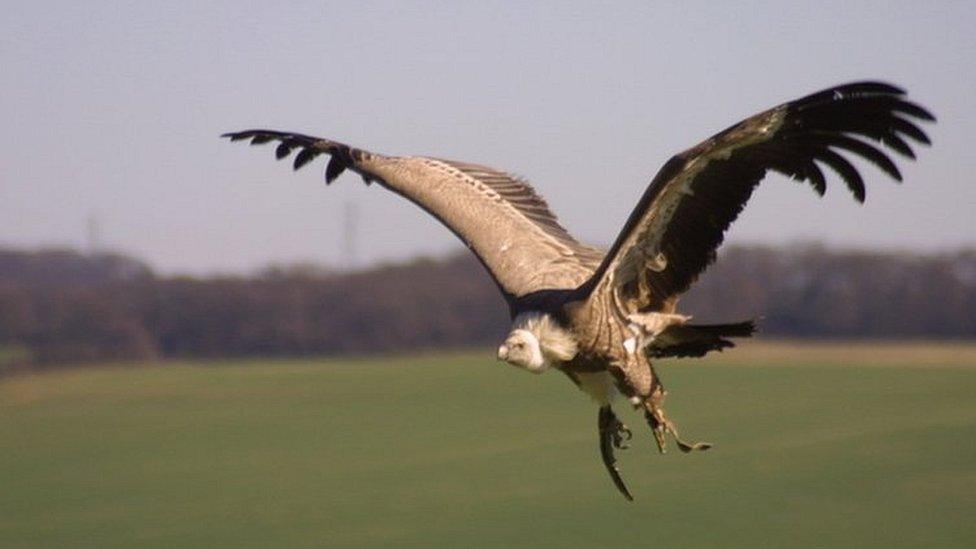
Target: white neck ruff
column 555, row 342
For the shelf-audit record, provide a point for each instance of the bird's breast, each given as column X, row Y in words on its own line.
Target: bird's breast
column 599, row 385
column 598, row 332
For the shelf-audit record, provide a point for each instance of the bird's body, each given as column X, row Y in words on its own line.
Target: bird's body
column 601, row 318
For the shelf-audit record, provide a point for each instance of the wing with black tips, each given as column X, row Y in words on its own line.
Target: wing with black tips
column 673, row 233
column 498, row 216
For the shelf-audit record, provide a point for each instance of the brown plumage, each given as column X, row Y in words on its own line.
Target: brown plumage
column 599, row 318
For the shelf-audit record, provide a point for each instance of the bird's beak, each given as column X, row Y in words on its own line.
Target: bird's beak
column 503, row 352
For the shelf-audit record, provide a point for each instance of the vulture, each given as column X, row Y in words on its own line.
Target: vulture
column 602, row 318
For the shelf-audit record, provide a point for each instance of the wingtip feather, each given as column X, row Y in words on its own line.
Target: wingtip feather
column 334, row 169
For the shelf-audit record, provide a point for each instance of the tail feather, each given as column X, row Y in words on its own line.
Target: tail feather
column 691, row 340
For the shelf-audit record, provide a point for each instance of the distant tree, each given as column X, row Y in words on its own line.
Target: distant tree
column 69, row 307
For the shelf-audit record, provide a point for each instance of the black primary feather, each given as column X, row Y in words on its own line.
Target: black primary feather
column 261, row 139
column 334, row 169
column 283, row 150
column 304, row 157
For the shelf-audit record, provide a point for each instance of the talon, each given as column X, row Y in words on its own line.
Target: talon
column 661, row 440
column 658, row 427
column 682, row 445
column 612, row 433
column 621, row 436
column 661, row 426
column 696, row 447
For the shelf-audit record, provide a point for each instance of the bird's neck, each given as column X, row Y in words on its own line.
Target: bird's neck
column 556, row 342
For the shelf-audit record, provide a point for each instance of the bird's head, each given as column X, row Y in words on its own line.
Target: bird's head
column 522, row 349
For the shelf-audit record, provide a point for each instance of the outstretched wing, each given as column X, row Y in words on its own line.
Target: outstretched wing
column 499, row 217
column 672, row 234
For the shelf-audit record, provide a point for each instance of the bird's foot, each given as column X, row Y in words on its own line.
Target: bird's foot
column 620, row 435
column 613, row 434
column 661, row 426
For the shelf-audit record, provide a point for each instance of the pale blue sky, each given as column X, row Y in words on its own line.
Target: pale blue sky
column 114, row 109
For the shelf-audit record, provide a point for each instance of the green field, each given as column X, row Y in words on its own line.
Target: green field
column 816, row 446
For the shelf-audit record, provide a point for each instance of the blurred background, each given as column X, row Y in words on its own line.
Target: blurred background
column 322, row 358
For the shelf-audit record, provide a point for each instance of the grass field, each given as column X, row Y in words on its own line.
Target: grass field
column 816, row 446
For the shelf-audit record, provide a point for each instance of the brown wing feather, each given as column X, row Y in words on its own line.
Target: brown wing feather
column 508, row 226
column 673, row 233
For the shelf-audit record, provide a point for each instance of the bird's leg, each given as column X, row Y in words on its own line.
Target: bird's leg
column 661, row 426
column 613, row 434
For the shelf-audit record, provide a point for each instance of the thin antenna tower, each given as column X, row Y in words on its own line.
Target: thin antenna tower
column 350, row 220
column 93, row 234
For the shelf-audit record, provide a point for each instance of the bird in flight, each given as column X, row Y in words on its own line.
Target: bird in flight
column 602, row 318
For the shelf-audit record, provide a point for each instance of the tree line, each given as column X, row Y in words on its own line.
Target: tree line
column 62, row 306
